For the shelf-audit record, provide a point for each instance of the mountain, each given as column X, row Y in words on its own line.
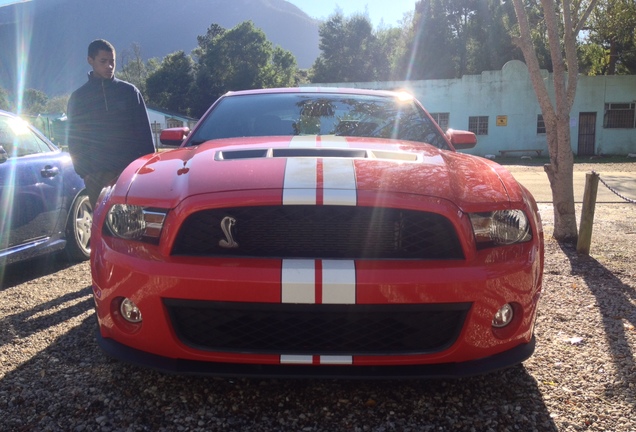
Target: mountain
column 49, row 38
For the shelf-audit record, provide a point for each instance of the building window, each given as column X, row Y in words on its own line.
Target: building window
column 173, row 123
column 441, row 119
column 478, row 125
column 619, row 116
column 540, row 124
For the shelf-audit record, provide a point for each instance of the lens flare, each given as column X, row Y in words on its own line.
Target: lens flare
column 24, row 30
column 414, row 49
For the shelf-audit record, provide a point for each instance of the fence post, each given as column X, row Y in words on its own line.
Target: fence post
column 587, row 213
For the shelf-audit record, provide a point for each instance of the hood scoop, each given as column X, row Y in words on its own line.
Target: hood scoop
column 316, row 153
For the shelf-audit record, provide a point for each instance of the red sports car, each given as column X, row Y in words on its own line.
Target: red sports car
column 317, row 232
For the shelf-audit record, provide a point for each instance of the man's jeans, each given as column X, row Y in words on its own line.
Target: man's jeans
column 95, row 182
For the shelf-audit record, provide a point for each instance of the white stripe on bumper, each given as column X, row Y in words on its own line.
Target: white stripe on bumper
column 299, row 281
column 323, row 360
column 338, row 282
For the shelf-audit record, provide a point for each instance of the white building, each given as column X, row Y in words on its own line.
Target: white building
column 162, row 119
column 502, row 109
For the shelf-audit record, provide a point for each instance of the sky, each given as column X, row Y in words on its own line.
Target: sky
column 390, row 12
column 9, row 2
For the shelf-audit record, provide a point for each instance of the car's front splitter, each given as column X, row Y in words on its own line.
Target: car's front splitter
column 493, row 363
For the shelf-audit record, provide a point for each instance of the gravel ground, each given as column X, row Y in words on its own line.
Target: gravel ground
column 582, row 376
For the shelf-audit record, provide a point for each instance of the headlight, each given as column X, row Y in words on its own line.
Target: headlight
column 501, row 227
column 134, row 222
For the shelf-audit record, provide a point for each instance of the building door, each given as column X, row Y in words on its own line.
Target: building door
column 587, row 133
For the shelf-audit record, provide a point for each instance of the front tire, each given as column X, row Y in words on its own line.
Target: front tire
column 78, row 229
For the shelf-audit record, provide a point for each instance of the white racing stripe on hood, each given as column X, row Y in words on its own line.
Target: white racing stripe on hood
column 301, row 181
column 339, row 182
column 303, row 141
column 313, row 141
column 333, row 141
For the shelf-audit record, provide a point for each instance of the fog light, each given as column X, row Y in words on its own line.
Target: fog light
column 129, row 311
column 503, row 317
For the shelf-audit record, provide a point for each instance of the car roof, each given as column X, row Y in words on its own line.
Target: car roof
column 313, row 90
column 7, row 113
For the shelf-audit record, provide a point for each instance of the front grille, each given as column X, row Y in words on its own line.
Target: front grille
column 347, row 232
column 266, row 328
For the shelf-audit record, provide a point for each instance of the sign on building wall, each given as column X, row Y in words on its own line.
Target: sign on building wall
column 502, row 120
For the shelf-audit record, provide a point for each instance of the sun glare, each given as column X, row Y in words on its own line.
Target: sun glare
column 24, row 30
column 414, row 50
column 19, row 126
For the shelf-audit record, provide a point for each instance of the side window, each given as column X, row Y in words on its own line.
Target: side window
column 18, row 140
column 620, row 116
column 6, row 136
column 173, row 123
column 540, row 124
column 441, row 119
column 478, row 125
column 39, row 146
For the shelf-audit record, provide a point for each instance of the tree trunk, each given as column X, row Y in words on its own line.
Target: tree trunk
column 560, row 173
column 613, row 55
column 562, row 40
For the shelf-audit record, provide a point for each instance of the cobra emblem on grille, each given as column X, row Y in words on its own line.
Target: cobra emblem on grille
column 227, row 224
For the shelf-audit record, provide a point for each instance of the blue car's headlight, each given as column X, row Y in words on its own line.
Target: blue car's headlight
column 501, row 227
column 134, row 222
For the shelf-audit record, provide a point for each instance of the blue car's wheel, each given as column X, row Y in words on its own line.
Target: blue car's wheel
column 78, row 229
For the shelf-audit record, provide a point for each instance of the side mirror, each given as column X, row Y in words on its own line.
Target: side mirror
column 173, row 137
column 461, row 140
column 4, row 156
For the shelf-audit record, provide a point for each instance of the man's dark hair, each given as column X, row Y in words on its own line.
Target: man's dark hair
column 100, row 44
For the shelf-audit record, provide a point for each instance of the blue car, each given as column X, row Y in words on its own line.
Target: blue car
column 43, row 205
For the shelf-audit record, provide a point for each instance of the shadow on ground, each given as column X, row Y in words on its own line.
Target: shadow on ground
column 21, row 272
column 616, row 302
column 71, row 385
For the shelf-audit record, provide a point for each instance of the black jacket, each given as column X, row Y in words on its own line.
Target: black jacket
column 107, row 126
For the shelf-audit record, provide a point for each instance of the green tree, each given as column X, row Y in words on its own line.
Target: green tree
column 433, row 50
column 282, row 70
column 57, row 104
column 490, row 43
column 170, row 86
column 451, row 38
column 611, row 44
column 350, row 51
column 392, row 43
column 133, row 69
column 237, row 59
column 33, row 102
column 4, row 100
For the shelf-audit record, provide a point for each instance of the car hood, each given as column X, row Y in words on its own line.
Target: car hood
column 339, row 166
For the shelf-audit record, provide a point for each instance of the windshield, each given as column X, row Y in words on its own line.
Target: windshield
column 290, row 114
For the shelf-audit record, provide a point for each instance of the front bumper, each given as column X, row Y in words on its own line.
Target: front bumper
column 192, row 367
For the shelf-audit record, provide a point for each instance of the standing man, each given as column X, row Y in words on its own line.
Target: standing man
column 108, row 123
